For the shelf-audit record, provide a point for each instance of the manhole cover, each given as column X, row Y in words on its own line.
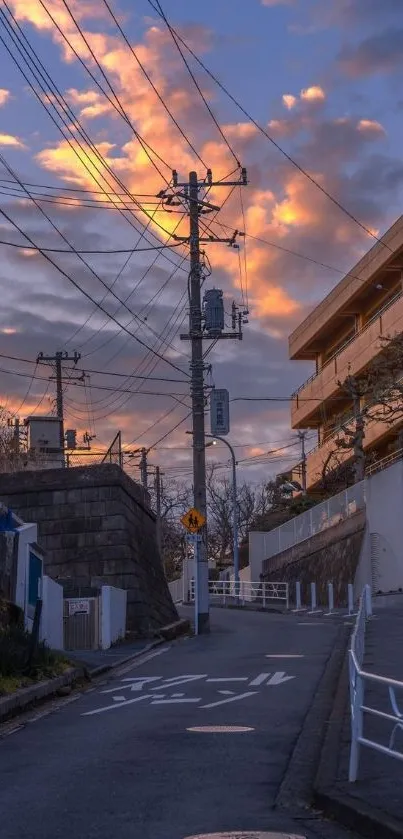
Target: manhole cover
column 221, row 729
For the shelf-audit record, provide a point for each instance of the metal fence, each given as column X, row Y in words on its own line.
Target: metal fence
column 359, row 681
column 90, row 458
column 318, row 518
column 224, row 592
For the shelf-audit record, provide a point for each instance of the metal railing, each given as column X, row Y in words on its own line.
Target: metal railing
column 349, row 341
column 384, row 462
column 318, row 518
column 225, row 592
column 359, row 680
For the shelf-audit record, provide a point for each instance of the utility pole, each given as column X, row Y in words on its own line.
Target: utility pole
column 302, row 435
column 197, row 393
column 144, row 468
column 58, row 359
column 158, row 506
column 204, row 323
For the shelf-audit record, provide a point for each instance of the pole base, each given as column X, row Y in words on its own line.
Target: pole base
column 204, row 623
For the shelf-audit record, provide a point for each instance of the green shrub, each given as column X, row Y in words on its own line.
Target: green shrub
column 15, row 645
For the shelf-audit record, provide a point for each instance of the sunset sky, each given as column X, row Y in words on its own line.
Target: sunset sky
column 324, row 81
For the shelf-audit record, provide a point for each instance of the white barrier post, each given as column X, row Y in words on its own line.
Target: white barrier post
column 350, row 595
column 368, row 600
column 224, row 592
column 298, row 601
column 264, row 595
column 313, row 597
column 330, row 597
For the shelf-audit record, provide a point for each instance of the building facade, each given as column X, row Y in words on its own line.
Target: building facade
column 341, row 336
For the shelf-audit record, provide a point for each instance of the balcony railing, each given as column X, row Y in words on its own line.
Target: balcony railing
column 349, row 341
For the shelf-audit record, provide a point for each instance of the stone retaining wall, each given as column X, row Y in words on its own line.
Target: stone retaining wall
column 95, row 523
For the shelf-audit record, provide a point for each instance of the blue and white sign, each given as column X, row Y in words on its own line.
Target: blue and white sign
column 219, row 412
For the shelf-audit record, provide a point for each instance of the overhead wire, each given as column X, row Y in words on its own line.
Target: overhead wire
column 57, row 97
column 91, row 269
column 177, row 37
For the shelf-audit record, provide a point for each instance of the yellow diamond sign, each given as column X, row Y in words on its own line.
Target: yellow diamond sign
column 193, row 520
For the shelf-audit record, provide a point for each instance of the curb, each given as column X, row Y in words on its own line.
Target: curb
column 297, row 786
column 19, row 701
column 338, row 805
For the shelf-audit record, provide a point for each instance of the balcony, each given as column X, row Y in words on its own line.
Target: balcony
column 375, row 431
column 351, row 359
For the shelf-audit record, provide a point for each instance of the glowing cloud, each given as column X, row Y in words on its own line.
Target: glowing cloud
column 10, row 140
column 4, row 96
column 289, row 101
column 313, row 94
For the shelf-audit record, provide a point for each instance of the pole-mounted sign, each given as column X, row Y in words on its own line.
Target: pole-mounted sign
column 219, row 412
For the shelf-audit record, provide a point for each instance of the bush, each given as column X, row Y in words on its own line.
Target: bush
column 15, row 644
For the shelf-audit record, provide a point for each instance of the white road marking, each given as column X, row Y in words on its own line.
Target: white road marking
column 259, row 680
column 284, row 655
column 309, row 623
column 174, row 701
column 226, row 692
column 183, row 680
column 279, row 679
column 142, row 660
column 235, row 679
column 120, row 705
column 233, row 699
column 137, row 684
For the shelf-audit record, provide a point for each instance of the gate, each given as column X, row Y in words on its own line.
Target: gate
column 81, row 623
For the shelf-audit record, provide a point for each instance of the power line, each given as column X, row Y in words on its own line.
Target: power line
column 196, row 84
column 157, row 8
column 100, row 372
column 89, row 297
column 65, row 239
column 85, row 252
column 150, row 81
column 61, row 101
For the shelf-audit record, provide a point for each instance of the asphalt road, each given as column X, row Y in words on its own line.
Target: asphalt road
column 122, row 761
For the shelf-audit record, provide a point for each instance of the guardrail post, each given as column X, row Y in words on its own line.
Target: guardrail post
column 368, row 600
column 330, row 597
column 298, row 601
column 287, row 596
column 313, row 597
column 356, row 703
column 350, row 599
column 224, row 593
column 243, row 592
column 264, row 594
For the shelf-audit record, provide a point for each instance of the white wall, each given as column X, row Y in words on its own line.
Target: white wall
column 381, row 559
column 52, row 614
column 27, row 535
column 113, row 615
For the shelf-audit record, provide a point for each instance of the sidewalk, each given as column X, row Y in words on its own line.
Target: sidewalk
column 374, row 803
column 93, row 660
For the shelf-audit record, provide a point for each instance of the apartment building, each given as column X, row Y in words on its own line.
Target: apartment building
column 341, row 337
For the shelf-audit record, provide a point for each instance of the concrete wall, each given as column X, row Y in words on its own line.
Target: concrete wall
column 330, row 556
column 381, row 560
column 113, row 615
column 95, row 524
column 52, row 613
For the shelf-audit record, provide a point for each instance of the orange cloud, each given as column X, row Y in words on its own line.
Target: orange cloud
column 313, row 94
column 10, row 140
column 289, row 100
column 371, row 126
column 4, row 96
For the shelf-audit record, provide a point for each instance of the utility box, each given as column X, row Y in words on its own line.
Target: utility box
column 44, row 440
column 213, row 309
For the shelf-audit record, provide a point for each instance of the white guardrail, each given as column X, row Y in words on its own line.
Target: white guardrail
column 359, row 680
column 225, row 592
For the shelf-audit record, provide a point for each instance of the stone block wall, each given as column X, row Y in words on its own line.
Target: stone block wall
column 328, row 557
column 94, row 523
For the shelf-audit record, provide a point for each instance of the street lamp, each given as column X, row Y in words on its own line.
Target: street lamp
column 234, row 506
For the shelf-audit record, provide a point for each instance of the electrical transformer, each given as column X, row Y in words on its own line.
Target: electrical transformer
column 213, row 309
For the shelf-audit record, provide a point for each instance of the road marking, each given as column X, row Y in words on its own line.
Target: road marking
column 233, row 699
column 309, row 623
column 279, row 679
column 236, row 679
column 174, row 701
column 220, row 729
column 143, row 659
column 120, row 705
column 284, row 655
column 259, row 680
